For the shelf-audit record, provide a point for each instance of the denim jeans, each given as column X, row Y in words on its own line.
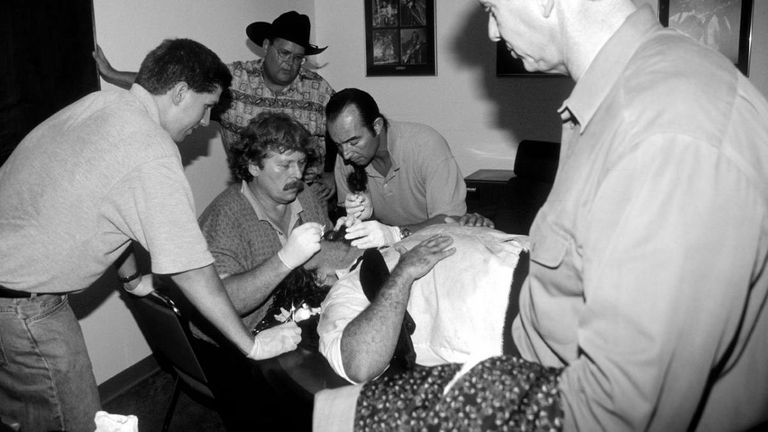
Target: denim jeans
column 46, row 378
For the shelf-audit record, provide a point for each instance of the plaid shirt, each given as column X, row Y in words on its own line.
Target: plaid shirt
column 304, row 100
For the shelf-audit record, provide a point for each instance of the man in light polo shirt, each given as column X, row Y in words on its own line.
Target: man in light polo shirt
column 76, row 193
column 413, row 179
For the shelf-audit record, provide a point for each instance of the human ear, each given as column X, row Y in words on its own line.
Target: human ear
column 253, row 169
column 178, row 92
column 378, row 125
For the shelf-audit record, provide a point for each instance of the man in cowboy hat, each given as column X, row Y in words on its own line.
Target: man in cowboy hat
column 277, row 82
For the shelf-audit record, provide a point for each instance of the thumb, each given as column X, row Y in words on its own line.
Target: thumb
column 450, row 220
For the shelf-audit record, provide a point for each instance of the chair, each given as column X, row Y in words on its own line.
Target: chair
column 535, row 167
column 168, row 335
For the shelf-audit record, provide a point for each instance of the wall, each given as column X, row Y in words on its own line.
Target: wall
column 127, row 31
column 482, row 117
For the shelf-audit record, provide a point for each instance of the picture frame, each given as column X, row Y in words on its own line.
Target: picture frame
column 725, row 25
column 400, row 37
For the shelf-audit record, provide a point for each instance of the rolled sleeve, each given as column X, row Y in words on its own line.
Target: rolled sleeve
column 344, row 302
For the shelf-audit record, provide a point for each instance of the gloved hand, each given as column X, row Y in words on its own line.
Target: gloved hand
column 359, row 206
column 275, row 340
column 303, row 242
column 370, row 234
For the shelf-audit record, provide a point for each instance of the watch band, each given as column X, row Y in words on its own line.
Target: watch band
column 127, row 279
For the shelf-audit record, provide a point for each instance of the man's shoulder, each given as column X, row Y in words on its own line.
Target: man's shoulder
column 226, row 205
column 417, row 139
column 310, row 79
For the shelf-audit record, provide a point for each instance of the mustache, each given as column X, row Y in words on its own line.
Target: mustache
column 296, row 184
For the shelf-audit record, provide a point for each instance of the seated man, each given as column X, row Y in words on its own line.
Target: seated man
column 413, row 179
column 258, row 230
column 458, row 305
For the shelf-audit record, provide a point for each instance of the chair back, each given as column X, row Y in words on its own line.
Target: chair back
column 168, row 335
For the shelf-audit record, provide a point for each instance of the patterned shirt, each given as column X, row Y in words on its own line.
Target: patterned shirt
column 303, row 100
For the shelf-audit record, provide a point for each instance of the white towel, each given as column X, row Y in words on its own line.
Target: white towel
column 106, row 422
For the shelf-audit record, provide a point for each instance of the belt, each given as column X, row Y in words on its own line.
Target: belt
column 9, row 293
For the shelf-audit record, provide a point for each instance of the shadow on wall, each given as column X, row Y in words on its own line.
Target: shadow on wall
column 526, row 106
column 197, row 144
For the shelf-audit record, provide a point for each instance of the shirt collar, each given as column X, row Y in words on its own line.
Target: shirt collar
column 146, row 99
column 607, row 67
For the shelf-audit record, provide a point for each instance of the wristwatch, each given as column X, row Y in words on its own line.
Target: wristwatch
column 127, row 279
column 404, row 232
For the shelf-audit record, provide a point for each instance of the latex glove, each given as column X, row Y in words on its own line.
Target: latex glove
column 359, row 206
column 274, row 341
column 370, row 234
column 303, row 242
column 144, row 287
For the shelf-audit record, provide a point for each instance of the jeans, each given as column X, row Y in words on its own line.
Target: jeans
column 46, row 378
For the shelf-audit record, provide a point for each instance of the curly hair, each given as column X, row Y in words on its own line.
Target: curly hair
column 176, row 60
column 268, row 131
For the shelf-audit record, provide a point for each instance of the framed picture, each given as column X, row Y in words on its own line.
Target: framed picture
column 725, row 25
column 400, row 37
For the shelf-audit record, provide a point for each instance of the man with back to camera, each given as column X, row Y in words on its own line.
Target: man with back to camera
column 99, row 174
column 258, row 230
column 413, row 180
column 278, row 82
column 647, row 284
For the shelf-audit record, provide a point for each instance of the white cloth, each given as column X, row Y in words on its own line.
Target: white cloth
column 106, row 422
column 459, row 307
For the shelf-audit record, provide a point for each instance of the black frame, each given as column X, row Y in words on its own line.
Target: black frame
column 743, row 35
column 395, row 31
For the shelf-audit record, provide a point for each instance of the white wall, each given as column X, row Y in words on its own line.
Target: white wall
column 482, row 117
column 127, row 30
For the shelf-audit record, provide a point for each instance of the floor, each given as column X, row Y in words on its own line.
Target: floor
column 149, row 401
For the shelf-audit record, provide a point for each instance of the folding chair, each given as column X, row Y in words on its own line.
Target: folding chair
column 168, row 335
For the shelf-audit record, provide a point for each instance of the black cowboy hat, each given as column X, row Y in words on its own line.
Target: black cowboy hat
column 291, row 26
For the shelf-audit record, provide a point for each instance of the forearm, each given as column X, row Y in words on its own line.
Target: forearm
column 369, row 340
column 120, row 78
column 204, row 290
column 437, row 219
column 248, row 290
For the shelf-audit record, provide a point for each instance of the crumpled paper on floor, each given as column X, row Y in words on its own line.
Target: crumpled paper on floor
column 106, row 422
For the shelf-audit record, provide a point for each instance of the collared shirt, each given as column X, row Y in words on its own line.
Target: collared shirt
column 459, row 307
column 424, row 180
column 304, row 100
column 94, row 176
column 294, row 208
column 241, row 237
column 647, row 276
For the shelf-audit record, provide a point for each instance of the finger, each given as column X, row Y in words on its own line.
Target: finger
column 339, row 222
column 450, row 220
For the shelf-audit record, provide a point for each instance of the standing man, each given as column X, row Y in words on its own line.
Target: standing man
column 413, row 179
column 276, row 83
column 258, row 230
column 648, row 282
column 97, row 175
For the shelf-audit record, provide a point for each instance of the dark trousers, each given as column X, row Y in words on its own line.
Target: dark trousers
column 245, row 400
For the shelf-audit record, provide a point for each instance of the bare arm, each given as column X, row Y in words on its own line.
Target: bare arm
column 368, row 342
column 250, row 289
column 204, row 290
column 119, row 78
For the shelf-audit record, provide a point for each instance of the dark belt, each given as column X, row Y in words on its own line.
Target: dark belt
column 9, row 293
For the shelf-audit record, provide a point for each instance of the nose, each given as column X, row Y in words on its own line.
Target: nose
column 493, row 29
column 346, row 151
column 206, row 120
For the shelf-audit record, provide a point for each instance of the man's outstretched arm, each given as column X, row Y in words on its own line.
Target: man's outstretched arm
column 368, row 342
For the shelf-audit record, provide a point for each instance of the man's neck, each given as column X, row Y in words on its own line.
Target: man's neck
column 382, row 160
column 274, row 210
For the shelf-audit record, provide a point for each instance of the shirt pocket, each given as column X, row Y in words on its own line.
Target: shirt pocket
column 549, row 250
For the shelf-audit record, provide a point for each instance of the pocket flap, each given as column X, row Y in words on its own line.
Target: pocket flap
column 549, row 250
